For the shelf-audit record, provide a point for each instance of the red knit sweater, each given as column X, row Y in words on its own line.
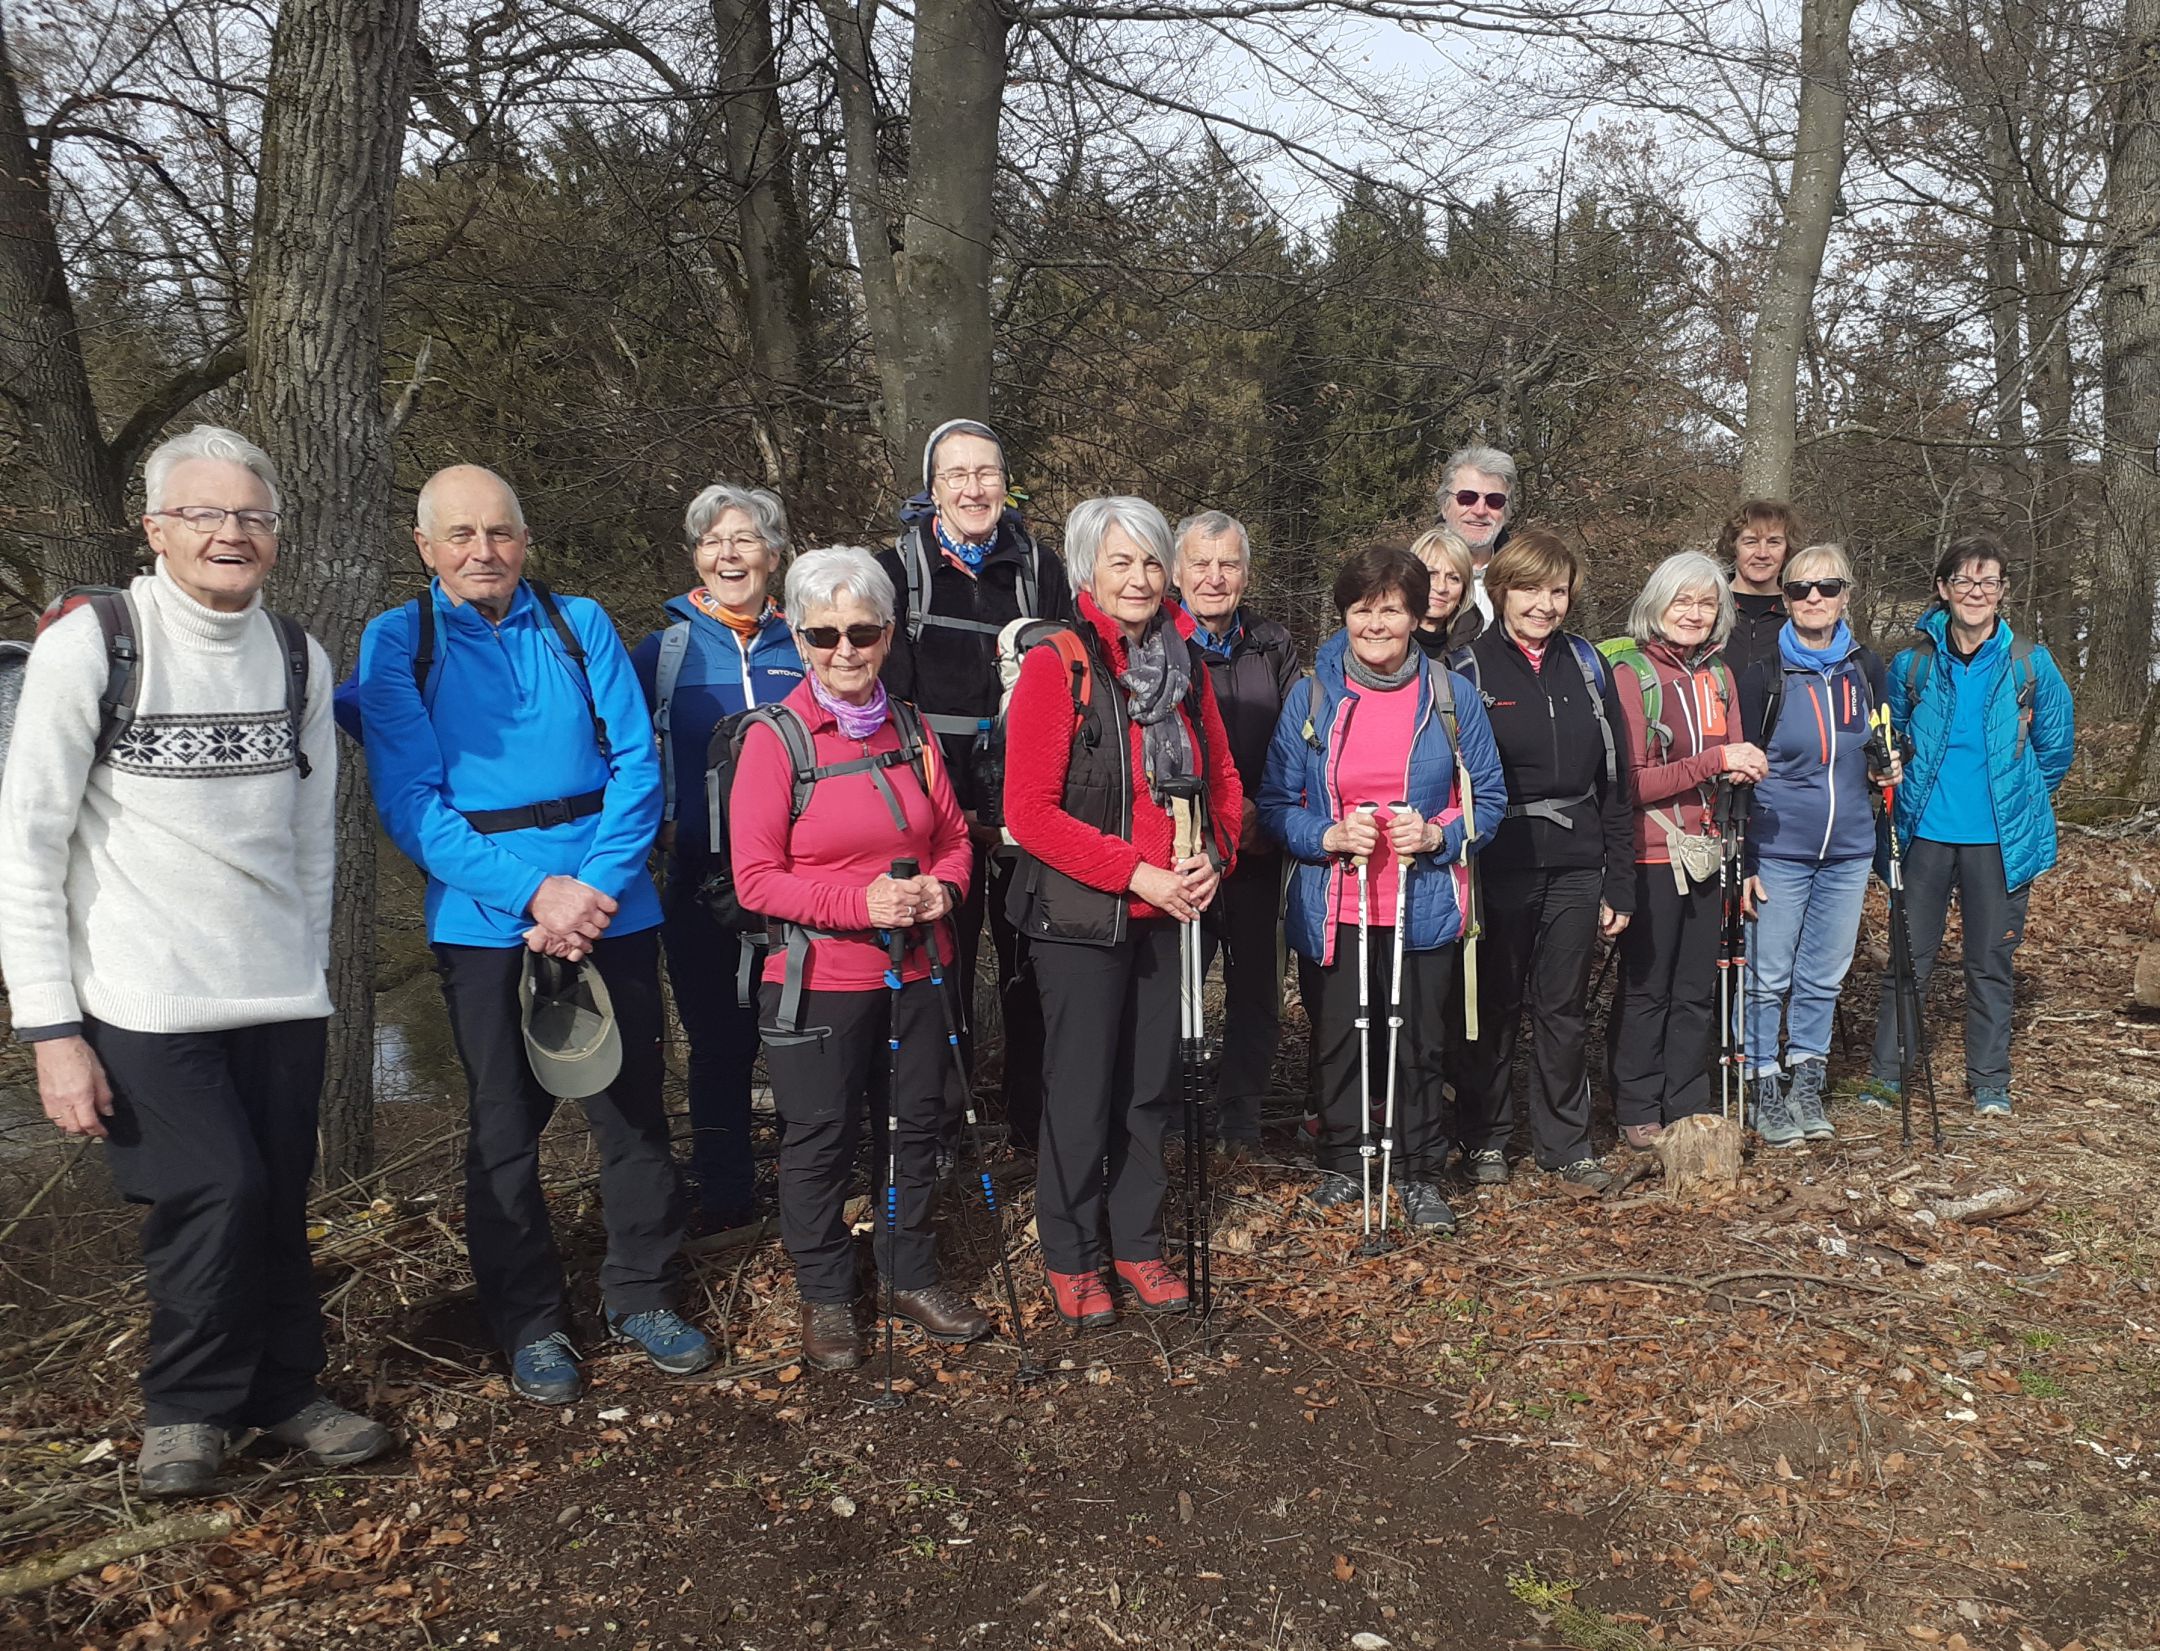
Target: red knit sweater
column 1038, row 750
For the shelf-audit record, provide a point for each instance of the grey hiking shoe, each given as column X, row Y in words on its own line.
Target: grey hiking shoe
column 180, row 1458
column 333, row 1435
column 1487, row 1167
column 1771, row 1115
column 1805, row 1098
column 1586, row 1172
column 1424, row 1207
column 1332, row 1191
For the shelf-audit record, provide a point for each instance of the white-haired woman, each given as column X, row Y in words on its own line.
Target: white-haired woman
column 823, row 875
column 724, row 650
column 1112, row 723
column 1685, row 744
column 1811, row 840
column 1452, row 618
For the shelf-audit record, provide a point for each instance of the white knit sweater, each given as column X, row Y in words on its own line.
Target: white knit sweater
column 184, row 884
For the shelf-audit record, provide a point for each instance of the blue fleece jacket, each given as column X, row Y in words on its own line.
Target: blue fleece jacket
column 510, row 726
column 2022, row 762
column 721, row 676
column 1298, row 802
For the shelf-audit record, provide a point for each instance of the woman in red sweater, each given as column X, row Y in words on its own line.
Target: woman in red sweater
column 823, row 877
column 1095, row 755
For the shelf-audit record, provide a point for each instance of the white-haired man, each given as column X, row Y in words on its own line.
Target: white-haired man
column 166, row 853
column 1477, row 490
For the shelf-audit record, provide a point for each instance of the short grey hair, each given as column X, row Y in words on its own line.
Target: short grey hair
column 820, row 578
column 424, row 505
column 1148, row 528
column 1212, row 524
column 1675, row 577
column 1817, row 557
column 205, row 441
column 1488, row 461
column 767, row 514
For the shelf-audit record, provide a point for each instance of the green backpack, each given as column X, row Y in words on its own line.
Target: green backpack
column 1625, row 650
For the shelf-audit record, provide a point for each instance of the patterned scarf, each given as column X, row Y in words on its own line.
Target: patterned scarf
column 1156, row 679
column 744, row 626
column 963, row 554
column 857, row 722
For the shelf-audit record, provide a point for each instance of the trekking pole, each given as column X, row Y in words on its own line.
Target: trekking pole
column 1363, row 862
column 1472, row 920
column 1379, row 1241
column 895, row 951
column 1193, row 1077
column 1904, row 976
column 1029, row 1370
column 1721, row 815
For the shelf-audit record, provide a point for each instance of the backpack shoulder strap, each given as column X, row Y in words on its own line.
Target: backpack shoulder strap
column 574, row 646
column 292, row 638
column 1876, row 675
column 1444, row 703
column 423, row 653
column 121, row 623
column 1312, row 700
column 667, row 671
column 1919, row 664
column 1592, row 665
column 1071, row 649
column 915, row 569
column 1773, row 698
column 1030, row 578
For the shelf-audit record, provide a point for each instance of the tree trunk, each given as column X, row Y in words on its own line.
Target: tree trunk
column 333, row 135
column 2005, row 307
column 2048, row 303
column 43, row 374
column 775, row 251
column 2119, row 661
column 870, row 217
column 1788, row 296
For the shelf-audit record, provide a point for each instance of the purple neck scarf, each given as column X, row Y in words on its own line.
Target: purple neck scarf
column 857, row 722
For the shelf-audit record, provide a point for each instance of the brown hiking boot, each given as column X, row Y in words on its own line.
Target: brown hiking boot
column 942, row 1314
column 831, row 1339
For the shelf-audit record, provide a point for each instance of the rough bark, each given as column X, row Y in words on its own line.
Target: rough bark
column 333, row 134
column 43, row 374
column 2005, row 306
column 1700, row 1154
column 2119, row 661
column 1788, row 295
column 870, row 212
column 2049, row 300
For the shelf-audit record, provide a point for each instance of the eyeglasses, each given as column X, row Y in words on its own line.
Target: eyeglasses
column 208, row 518
column 828, row 636
column 1799, row 590
column 1966, row 585
column 1695, row 604
column 954, row 480
column 1468, row 496
column 742, row 544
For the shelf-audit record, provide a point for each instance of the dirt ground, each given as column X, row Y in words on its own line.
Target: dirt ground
column 1820, row 1412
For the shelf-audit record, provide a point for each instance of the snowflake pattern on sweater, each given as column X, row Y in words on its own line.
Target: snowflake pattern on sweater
column 177, row 746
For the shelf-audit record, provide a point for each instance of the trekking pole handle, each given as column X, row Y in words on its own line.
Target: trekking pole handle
column 896, row 939
column 1370, row 811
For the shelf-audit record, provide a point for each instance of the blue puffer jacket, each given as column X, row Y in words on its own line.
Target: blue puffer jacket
column 2025, row 764
column 1297, row 800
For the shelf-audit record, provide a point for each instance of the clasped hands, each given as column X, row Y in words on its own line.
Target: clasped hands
column 568, row 916
column 1408, row 832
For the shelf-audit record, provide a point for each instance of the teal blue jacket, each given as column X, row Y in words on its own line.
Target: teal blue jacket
column 2029, row 746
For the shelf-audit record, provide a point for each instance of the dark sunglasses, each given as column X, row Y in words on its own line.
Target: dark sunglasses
column 1468, row 496
column 828, row 636
column 1799, row 590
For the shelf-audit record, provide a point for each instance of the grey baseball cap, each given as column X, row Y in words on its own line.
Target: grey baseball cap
column 571, row 1040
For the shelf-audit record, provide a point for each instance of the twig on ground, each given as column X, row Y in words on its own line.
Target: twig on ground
column 170, row 1532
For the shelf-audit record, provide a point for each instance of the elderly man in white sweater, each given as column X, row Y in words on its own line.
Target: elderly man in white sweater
column 167, row 884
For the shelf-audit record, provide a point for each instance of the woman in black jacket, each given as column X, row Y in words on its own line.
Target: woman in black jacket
column 1559, row 870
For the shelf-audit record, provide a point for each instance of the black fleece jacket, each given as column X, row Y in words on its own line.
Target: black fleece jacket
column 1550, row 748
column 1756, row 623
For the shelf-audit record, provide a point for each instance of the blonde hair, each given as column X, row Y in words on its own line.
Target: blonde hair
column 1824, row 561
column 1443, row 547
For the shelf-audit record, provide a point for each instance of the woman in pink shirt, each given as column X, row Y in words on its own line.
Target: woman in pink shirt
column 823, row 877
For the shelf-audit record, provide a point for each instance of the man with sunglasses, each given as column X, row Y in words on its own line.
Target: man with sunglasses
column 1476, row 490
column 511, row 758
column 965, row 567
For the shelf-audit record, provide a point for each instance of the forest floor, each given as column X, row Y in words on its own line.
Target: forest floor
column 1819, row 1412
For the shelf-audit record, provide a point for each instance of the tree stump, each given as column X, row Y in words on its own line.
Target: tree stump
column 1699, row 1154
column 2145, row 984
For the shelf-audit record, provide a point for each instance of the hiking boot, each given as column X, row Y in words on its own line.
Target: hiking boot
column 1805, row 1099
column 941, row 1314
column 1639, row 1136
column 1155, row 1288
column 1883, row 1094
column 1424, row 1207
column 670, row 1341
column 1487, row 1167
column 831, row 1335
column 1992, row 1103
column 179, row 1458
column 1772, row 1116
column 1082, row 1299
column 334, row 1436
column 1332, row 1191
column 1586, row 1172
column 546, row 1371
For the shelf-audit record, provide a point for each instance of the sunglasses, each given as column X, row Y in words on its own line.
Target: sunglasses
column 1799, row 590
column 1468, row 496
column 828, row 636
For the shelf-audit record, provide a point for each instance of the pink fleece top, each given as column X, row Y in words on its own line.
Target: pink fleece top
column 817, row 870
column 1374, row 767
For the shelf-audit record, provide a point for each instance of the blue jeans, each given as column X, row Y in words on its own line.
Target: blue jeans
column 1802, row 946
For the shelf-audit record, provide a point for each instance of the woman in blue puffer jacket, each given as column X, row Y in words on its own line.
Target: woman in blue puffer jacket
column 1810, row 842
column 1370, row 725
column 1990, row 722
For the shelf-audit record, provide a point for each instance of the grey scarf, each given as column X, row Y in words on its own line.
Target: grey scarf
column 1366, row 677
column 1156, row 678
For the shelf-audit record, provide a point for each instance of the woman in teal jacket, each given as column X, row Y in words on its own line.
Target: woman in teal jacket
column 1989, row 719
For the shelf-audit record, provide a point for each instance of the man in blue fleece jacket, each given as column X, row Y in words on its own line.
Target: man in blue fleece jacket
column 523, row 779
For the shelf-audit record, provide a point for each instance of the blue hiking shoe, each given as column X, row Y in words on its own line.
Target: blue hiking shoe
column 1992, row 1103
column 670, row 1341
column 1883, row 1094
column 546, row 1371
